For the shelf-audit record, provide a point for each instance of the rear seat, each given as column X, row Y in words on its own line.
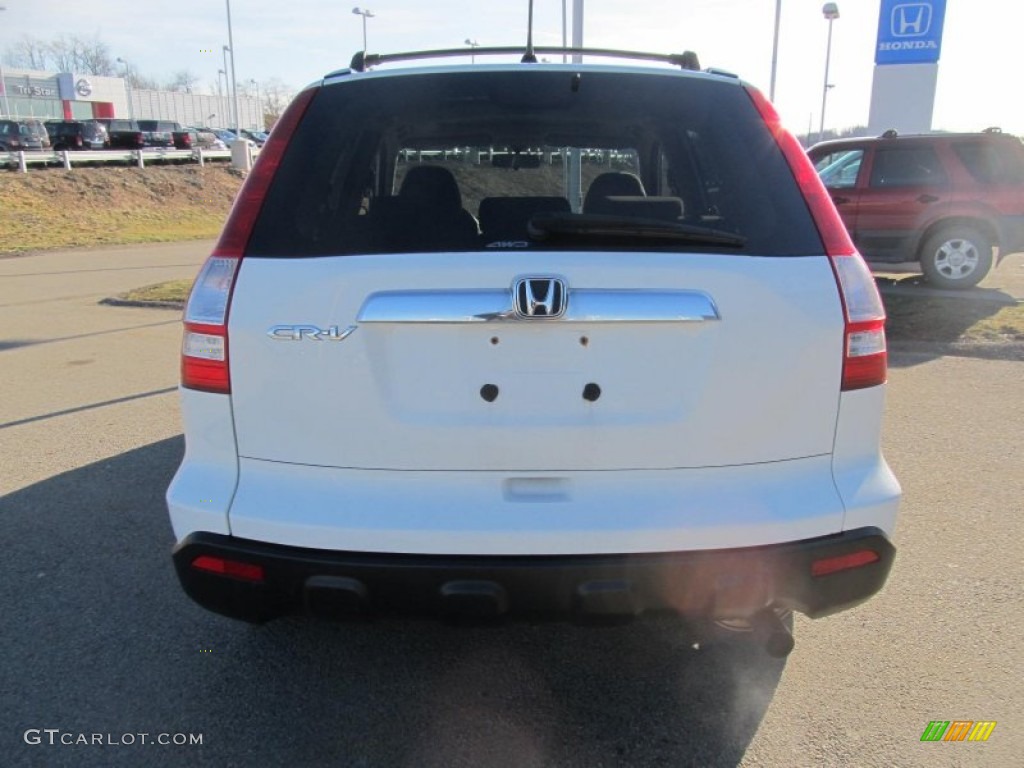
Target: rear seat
column 426, row 215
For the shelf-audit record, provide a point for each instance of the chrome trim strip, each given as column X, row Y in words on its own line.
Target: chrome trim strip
column 436, row 307
column 639, row 306
column 584, row 306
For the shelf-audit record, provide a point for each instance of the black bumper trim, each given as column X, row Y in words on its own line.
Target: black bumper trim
column 721, row 583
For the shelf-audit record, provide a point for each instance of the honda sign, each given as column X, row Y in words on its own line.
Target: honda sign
column 909, row 31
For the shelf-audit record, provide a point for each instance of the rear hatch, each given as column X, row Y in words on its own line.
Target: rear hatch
column 156, row 133
column 995, row 167
column 685, row 316
column 661, row 361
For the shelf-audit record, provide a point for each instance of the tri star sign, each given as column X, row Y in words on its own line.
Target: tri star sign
column 909, row 31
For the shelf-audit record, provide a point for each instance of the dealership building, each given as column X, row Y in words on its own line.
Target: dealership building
column 54, row 96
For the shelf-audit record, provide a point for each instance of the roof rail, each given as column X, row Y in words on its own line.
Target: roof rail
column 362, row 61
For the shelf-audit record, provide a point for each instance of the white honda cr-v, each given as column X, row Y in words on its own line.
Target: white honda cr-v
column 526, row 339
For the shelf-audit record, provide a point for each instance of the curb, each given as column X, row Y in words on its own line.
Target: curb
column 1012, row 351
column 923, row 291
column 115, row 302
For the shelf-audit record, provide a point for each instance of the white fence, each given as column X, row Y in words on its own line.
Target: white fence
column 22, row 160
column 195, row 109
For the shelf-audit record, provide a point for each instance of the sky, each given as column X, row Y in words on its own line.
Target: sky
column 297, row 41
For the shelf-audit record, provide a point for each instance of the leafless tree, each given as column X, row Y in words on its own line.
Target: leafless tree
column 182, row 80
column 93, row 57
column 63, row 54
column 275, row 95
column 142, row 82
column 29, row 53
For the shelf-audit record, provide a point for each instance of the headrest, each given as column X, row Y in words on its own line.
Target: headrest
column 431, row 186
column 617, row 184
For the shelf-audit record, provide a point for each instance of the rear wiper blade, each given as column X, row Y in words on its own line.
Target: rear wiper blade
column 547, row 226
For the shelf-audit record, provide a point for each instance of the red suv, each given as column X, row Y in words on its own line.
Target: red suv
column 941, row 199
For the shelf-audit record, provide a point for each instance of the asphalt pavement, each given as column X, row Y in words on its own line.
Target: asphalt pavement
column 99, row 641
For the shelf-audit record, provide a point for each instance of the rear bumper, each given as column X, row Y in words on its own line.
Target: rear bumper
column 722, row 583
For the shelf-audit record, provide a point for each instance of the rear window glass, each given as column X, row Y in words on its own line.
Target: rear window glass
column 992, row 163
column 35, row 128
column 93, row 130
column 532, row 160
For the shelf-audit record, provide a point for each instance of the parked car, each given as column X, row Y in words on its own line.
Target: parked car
column 139, row 134
column 230, row 137
column 207, row 138
column 158, row 133
column 943, row 200
column 76, row 134
column 257, row 137
column 122, row 134
column 37, row 129
column 421, row 373
column 17, row 136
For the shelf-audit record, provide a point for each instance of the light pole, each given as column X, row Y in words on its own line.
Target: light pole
column 259, row 106
column 831, row 12
column 224, row 52
column 234, row 85
column 128, row 86
column 365, row 13
column 473, row 45
column 775, row 50
column 221, row 88
column 565, row 42
column 3, row 83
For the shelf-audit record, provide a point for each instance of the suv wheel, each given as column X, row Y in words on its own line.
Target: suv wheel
column 956, row 257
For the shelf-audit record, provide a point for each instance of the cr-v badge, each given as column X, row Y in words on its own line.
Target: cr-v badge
column 300, row 332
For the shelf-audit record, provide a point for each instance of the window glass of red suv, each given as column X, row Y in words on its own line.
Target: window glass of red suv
column 991, row 163
column 839, row 169
column 907, row 167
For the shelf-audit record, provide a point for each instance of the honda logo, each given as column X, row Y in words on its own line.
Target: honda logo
column 911, row 20
column 540, row 297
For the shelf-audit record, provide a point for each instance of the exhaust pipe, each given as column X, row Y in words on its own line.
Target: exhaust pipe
column 771, row 633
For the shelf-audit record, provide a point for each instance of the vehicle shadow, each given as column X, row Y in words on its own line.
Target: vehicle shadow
column 924, row 323
column 101, row 640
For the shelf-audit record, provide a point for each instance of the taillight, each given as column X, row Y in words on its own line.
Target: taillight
column 864, row 350
column 847, row 562
column 864, row 356
column 204, row 347
column 232, row 568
